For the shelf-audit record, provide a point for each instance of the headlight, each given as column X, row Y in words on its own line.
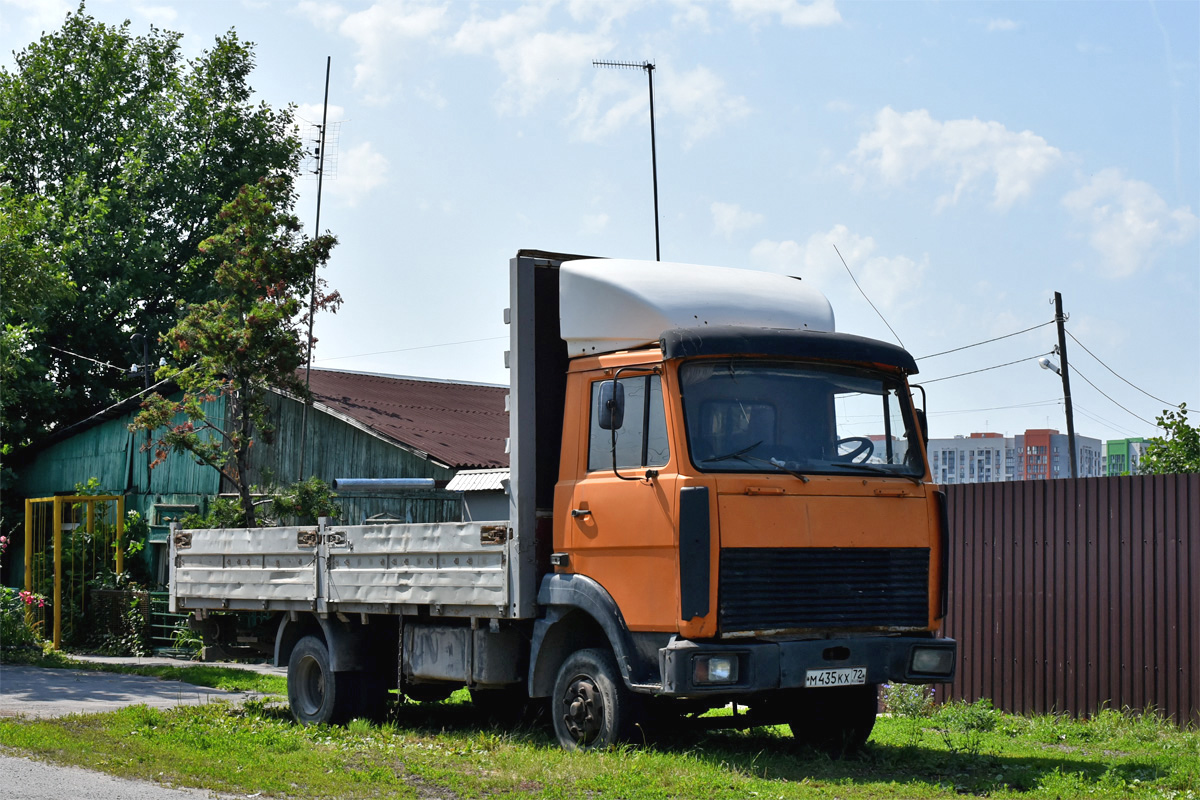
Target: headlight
column 715, row 669
column 932, row 661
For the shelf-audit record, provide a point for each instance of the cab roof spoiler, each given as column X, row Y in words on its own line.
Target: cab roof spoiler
column 788, row 343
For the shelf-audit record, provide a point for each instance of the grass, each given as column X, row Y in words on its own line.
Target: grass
column 445, row 750
column 229, row 679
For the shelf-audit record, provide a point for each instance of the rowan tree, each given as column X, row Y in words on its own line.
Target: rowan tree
column 247, row 340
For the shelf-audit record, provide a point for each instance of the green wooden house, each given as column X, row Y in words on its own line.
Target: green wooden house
column 359, row 426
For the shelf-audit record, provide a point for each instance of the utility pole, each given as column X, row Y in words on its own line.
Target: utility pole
column 1059, row 319
column 649, row 68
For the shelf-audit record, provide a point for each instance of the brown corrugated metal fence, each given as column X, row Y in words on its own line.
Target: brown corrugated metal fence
column 1074, row 595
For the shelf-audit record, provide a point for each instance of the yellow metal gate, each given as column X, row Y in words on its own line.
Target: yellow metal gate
column 70, row 540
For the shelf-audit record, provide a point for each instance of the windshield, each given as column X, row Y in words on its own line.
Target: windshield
column 753, row 415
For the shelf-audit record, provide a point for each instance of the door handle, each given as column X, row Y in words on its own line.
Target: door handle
column 580, row 512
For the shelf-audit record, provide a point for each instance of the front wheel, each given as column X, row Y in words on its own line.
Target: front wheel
column 837, row 720
column 316, row 694
column 590, row 707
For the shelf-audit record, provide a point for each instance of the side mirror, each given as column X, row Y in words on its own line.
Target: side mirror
column 612, row 405
column 923, row 424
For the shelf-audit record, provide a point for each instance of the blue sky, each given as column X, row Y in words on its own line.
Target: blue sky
column 967, row 159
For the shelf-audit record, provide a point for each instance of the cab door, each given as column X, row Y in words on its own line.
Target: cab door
column 621, row 530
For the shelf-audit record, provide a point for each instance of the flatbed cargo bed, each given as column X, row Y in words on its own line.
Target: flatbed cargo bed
column 453, row 568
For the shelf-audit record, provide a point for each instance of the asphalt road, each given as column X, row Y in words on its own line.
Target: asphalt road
column 33, row 692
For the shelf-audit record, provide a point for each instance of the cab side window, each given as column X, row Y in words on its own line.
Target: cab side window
column 641, row 441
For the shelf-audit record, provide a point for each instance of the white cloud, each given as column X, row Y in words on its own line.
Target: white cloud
column 902, row 147
column 701, row 98
column 885, row 279
column 321, row 14
column 690, row 14
column 359, row 171
column 534, row 62
column 1129, row 222
column 1002, row 25
column 729, row 218
column 36, row 16
column 379, row 33
column 697, row 96
column 605, row 12
column 819, row 13
column 607, row 106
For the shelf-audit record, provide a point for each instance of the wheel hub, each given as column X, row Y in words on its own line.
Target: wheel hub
column 312, row 685
column 583, row 715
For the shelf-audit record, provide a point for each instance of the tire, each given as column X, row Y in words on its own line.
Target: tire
column 590, row 707
column 836, row 720
column 316, row 694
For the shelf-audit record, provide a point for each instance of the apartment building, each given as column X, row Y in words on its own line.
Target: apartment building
column 1036, row 454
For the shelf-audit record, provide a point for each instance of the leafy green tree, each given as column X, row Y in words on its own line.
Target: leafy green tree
column 249, row 339
column 1177, row 451
column 33, row 282
column 116, row 154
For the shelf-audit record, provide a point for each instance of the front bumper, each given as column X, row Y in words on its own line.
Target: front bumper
column 768, row 665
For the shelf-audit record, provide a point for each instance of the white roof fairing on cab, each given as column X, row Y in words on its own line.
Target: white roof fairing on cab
column 614, row 304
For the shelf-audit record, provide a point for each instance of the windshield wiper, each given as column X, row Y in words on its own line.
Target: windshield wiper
column 741, row 455
column 734, row 454
column 876, row 469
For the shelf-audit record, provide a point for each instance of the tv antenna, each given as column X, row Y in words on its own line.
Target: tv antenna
column 648, row 67
column 320, row 154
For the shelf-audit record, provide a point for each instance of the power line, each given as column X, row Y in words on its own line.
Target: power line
column 985, row 369
column 1114, row 402
column 1101, row 420
column 988, row 341
column 1110, row 369
column 1035, row 404
column 407, row 349
column 864, row 294
column 89, row 358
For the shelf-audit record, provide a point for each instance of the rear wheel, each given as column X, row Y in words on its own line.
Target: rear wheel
column 590, row 706
column 317, row 694
column 837, row 720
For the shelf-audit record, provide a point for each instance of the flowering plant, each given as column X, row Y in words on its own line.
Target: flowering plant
column 32, row 599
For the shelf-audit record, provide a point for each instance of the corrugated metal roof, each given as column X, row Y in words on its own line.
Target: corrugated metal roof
column 478, row 480
column 459, row 424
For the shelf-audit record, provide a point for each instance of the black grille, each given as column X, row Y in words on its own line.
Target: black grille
column 822, row 588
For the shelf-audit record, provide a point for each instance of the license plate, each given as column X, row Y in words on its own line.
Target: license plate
column 850, row 676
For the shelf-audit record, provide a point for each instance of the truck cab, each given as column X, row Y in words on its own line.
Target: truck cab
column 749, row 503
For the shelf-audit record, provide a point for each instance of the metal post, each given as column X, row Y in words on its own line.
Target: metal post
column 653, row 160
column 1059, row 318
column 58, row 515
column 120, row 535
column 29, row 557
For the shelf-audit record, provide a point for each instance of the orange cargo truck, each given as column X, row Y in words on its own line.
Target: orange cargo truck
column 714, row 498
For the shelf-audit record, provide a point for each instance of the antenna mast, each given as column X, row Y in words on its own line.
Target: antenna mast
column 313, row 298
column 649, row 68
